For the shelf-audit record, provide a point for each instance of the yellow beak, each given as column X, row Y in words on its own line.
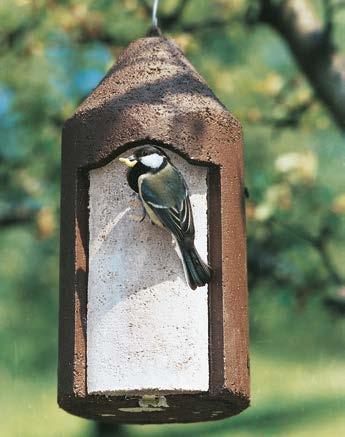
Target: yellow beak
column 130, row 163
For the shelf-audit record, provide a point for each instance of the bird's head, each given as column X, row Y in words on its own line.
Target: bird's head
column 147, row 157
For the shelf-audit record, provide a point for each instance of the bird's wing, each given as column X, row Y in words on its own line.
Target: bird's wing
column 172, row 206
column 178, row 221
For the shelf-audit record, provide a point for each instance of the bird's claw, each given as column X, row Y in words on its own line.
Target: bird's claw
column 143, row 213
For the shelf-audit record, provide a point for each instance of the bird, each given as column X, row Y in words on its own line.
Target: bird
column 165, row 198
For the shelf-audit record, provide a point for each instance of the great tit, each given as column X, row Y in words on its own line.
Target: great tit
column 164, row 195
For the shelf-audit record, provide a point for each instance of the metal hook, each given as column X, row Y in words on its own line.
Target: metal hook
column 154, row 14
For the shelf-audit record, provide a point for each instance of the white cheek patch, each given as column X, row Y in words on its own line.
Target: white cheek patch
column 152, row 161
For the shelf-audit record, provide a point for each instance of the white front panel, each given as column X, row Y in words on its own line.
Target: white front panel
column 146, row 329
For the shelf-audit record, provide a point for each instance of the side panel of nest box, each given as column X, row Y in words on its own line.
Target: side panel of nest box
column 146, row 329
column 136, row 345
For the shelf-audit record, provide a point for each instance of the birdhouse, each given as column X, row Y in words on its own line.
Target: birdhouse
column 136, row 343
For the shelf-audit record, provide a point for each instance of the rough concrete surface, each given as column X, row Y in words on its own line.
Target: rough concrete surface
column 146, row 329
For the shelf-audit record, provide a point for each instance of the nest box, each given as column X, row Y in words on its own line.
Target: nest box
column 136, row 344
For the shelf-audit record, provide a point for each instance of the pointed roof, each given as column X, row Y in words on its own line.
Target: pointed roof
column 153, row 92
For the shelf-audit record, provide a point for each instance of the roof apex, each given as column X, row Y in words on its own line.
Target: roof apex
column 151, row 70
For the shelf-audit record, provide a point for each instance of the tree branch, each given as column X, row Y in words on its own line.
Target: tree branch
column 208, row 24
column 9, row 40
column 319, row 243
column 292, row 118
column 86, row 36
column 310, row 43
column 18, row 216
column 173, row 18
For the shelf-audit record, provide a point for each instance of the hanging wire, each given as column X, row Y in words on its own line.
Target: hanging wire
column 154, row 14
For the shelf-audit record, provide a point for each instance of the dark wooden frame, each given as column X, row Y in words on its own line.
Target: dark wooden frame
column 204, row 134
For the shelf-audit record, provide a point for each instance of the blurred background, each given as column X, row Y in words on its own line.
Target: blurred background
column 279, row 66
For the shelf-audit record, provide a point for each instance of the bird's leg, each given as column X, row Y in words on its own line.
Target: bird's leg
column 143, row 213
column 134, row 206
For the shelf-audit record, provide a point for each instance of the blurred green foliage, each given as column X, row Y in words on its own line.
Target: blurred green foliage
column 52, row 54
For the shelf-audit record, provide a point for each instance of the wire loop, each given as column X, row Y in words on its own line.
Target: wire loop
column 154, row 14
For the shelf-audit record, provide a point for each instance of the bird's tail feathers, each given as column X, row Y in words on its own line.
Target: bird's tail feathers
column 198, row 273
